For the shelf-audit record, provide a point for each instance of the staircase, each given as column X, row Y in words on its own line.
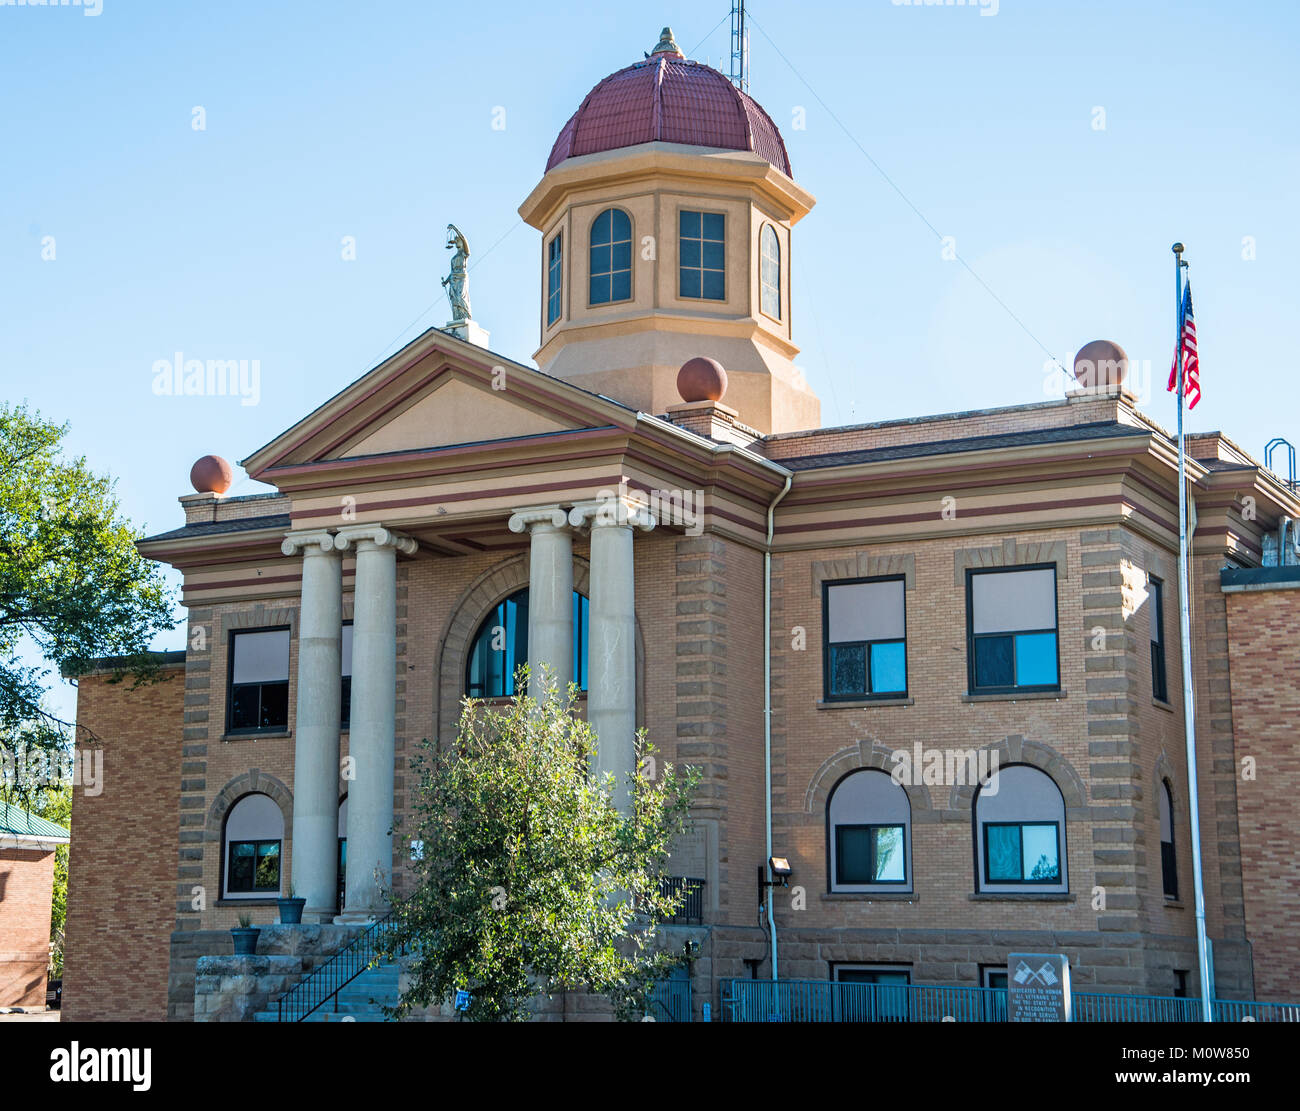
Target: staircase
column 354, row 985
column 362, row 999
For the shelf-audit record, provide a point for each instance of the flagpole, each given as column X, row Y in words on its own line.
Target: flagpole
column 1185, row 624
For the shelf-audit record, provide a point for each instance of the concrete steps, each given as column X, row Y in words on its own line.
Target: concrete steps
column 362, row 1000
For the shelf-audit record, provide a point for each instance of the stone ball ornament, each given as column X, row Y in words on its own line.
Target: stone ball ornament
column 701, row 379
column 1100, row 364
column 211, row 475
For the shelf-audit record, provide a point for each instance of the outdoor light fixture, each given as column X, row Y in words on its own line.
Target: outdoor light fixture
column 781, row 871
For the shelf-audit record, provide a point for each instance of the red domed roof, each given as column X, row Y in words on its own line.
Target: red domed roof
column 671, row 100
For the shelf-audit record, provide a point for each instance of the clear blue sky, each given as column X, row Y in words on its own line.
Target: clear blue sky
column 327, row 119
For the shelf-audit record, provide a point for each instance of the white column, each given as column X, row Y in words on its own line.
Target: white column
column 611, row 649
column 550, row 596
column 373, row 715
column 316, row 723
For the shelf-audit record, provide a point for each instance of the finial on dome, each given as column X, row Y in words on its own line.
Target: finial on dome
column 666, row 44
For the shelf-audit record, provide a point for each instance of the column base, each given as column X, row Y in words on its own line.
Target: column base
column 356, row 918
column 320, row 916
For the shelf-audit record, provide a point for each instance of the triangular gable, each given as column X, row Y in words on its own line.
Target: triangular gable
column 436, row 392
column 453, row 410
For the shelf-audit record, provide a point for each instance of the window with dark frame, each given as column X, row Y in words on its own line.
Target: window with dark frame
column 345, row 702
column 1011, row 630
column 889, row 1002
column 702, row 256
column 1180, row 983
column 500, row 646
column 253, row 867
column 864, row 623
column 870, row 854
column 610, row 273
column 554, row 278
column 1159, row 675
column 1168, row 861
column 1022, row 852
column 258, row 695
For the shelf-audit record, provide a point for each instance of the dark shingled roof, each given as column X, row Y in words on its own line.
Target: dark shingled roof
column 1099, row 431
column 217, row 528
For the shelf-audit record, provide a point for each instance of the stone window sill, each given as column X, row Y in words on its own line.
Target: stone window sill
column 870, row 897
column 1016, row 696
column 1166, row 706
column 269, row 735
column 1021, row 897
column 1175, row 904
column 862, row 704
column 258, row 902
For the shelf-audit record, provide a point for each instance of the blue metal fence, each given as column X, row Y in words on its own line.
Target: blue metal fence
column 828, row 1001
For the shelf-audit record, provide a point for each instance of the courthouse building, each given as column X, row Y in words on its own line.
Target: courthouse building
column 636, row 512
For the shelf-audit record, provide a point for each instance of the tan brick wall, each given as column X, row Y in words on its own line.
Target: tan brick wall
column 26, row 890
column 122, row 854
column 1264, row 649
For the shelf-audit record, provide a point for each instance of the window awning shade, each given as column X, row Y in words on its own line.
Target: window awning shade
column 1012, row 601
column 866, row 611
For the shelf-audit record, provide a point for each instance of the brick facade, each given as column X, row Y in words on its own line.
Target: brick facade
column 26, row 881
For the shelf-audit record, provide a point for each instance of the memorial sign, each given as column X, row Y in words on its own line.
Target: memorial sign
column 1038, row 987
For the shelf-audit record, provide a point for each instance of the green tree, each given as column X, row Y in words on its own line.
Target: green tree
column 530, row 880
column 55, row 805
column 72, row 588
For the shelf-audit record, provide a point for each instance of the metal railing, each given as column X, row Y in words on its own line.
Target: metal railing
column 829, row 1001
column 690, row 911
column 324, row 983
column 671, row 1001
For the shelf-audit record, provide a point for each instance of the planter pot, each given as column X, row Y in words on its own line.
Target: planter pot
column 245, row 940
column 291, row 911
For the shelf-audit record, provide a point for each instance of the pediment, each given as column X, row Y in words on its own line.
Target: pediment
column 438, row 392
column 453, row 410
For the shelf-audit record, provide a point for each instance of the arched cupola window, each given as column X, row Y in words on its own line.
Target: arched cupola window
column 770, row 272
column 1168, row 861
column 611, row 258
column 501, row 645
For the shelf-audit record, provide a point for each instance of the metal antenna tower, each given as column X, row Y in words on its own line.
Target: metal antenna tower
column 739, row 47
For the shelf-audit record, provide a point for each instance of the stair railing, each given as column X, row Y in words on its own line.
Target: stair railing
column 313, row 992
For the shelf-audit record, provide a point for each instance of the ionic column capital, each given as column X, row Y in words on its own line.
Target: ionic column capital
column 308, row 542
column 551, row 515
column 377, row 535
column 615, row 511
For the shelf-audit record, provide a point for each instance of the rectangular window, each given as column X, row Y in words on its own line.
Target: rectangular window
column 702, row 261
column 345, row 709
column 259, row 681
column 1159, row 677
column 1022, row 852
column 993, row 1004
column 865, row 993
column 554, row 275
column 865, row 630
column 253, row 866
column 1011, row 630
column 870, row 854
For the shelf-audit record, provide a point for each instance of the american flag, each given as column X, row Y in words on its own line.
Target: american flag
column 1191, row 364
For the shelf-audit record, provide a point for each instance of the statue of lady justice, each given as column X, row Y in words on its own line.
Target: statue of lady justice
column 457, row 282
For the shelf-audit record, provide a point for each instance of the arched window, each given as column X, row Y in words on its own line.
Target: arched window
column 869, row 833
column 251, row 852
column 1019, row 818
column 770, row 272
column 611, row 258
column 501, row 645
column 1168, row 862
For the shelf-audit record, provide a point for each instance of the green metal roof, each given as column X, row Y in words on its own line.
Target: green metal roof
column 16, row 822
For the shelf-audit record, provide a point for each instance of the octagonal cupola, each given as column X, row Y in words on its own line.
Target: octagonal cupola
column 666, row 212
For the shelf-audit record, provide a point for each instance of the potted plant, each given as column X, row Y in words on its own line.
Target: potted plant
column 245, row 936
column 291, row 909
